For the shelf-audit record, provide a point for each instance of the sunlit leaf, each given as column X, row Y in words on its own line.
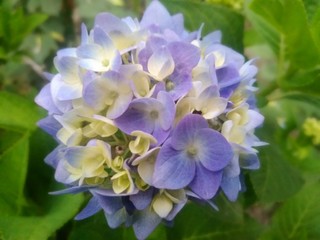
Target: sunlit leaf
column 289, row 19
column 13, row 165
column 18, row 113
column 59, row 210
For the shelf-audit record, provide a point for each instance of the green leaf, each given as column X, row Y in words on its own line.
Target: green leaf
column 21, row 26
column 18, row 113
column 300, row 96
column 315, row 26
column 60, row 210
column 96, row 227
column 299, row 217
column 50, row 7
column 277, row 179
column 198, row 222
column 214, row 17
column 13, row 162
column 289, row 19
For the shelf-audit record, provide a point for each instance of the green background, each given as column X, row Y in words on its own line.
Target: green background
column 282, row 198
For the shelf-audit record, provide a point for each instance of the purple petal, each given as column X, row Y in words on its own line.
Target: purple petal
column 116, row 219
column 249, row 161
column 50, row 125
column 142, row 199
column 182, row 84
column 205, row 183
column 155, row 14
column 168, row 114
column 76, row 189
column 186, row 129
column 215, row 152
column 161, row 135
column 231, row 187
column 111, row 193
column 102, row 39
column 185, row 55
column 228, row 76
column 134, row 118
column 92, row 208
column 92, row 51
column 144, row 222
column 111, row 24
column 109, row 204
column 233, row 168
column 53, row 157
column 44, row 99
column 66, row 65
column 176, row 209
column 173, row 169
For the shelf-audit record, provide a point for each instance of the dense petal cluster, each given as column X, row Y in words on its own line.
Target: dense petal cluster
column 149, row 116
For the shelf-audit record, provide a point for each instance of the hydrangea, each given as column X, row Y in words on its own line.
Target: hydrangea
column 149, row 116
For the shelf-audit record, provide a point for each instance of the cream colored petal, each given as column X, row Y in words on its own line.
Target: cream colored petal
column 162, row 205
column 161, row 64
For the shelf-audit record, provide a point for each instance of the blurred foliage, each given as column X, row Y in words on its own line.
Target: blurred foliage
column 281, row 201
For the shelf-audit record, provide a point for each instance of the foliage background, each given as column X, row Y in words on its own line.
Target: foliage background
column 282, row 198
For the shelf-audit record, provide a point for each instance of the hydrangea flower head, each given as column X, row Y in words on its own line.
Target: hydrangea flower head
column 149, row 116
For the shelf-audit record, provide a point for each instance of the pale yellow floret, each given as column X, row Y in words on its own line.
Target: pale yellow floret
column 233, row 133
column 99, row 127
column 311, row 128
column 238, row 97
column 239, row 115
column 121, row 182
column 91, row 167
column 142, row 142
column 145, row 165
column 117, row 164
column 70, row 137
column 164, row 201
column 219, row 59
column 141, row 82
column 162, row 205
column 142, row 185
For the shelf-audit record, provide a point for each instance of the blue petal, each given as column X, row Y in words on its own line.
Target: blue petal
column 176, row 209
column 76, row 189
column 156, row 14
column 116, row 219
column 231, row 187
column 145, row 222
column 249, row 161
column 92, row 208
column 205, row 183
column 53, row 157
column 111, row 24
column 215, row 152
column 185, row 131
column 109, row 204
column 135, row 117
column 173, row 169
column 185, row 55
column 102, row 39
column 142, row 199
column 44, row 99
column 50, row 125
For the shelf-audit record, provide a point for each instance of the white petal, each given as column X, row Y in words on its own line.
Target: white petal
column 161, row 64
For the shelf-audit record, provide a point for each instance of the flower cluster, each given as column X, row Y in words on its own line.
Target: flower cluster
column 149, row 116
